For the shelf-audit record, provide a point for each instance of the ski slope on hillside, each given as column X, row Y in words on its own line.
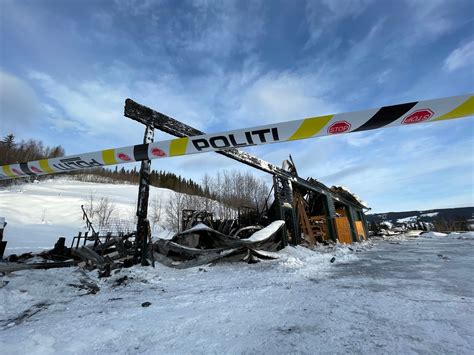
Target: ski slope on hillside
column 39, row 213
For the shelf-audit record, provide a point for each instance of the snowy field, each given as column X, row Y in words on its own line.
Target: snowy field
column 38, row 214
column 401, row 295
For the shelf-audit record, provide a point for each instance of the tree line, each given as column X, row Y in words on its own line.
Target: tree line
column 162, row 179
column 26, row 150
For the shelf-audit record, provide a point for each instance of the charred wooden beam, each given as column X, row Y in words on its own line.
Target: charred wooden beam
column 141, row 243
column 3, row 244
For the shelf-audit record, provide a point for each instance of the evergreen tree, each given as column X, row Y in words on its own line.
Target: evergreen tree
column 9, row 141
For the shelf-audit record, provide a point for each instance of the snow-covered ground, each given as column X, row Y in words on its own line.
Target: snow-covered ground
column 402, row 294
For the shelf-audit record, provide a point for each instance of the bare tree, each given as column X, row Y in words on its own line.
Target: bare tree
column 194, row 202
column 89, row 205
column 223, row 194
column 233, row 189
column 155, row 211
column 208, row 204
column 173, row 211
column 104, row 210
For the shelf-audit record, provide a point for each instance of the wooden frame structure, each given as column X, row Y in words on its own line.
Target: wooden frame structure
column 289, row 189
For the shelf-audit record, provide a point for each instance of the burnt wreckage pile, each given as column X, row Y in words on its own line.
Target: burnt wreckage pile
column 91, row 250
column 310, row 211
column 304, row 211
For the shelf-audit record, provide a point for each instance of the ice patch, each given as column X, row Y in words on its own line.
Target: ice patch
column 407, row 219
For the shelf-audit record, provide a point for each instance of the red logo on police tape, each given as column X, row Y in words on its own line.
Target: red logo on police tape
column 157, row 152
column 124, row 157
column 339, row 127
column 35, row 169
column 418, row 116
column 17, row 171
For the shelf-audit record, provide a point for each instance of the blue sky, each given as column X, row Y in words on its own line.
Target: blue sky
column 66, row 68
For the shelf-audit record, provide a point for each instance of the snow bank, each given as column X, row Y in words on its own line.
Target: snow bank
column 433, row 234
column 466, row 235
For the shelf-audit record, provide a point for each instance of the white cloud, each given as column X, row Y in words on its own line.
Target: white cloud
column 136, row 7
column 280, row 97
column 361, row 139
column 462, row 56
column 384, row 76
column 320, row 14
column 19, row 105
column 93, row 105
column 211, row 30
column 63, row 125
column 430, row 18
column 343, row 8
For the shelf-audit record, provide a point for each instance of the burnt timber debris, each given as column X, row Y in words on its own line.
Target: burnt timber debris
column 195, row 246
column 303, row 212
column 202, row 244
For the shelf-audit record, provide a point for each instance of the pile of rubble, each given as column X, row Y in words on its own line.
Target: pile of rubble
column 195, row 246
column 201, row 245
column 105, row 255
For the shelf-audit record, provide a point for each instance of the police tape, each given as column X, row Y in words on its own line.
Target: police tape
column 387, row 116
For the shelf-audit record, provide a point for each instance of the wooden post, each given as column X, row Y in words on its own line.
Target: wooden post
column 350, row 216
column 76, row 239
column 141, row 242
column 331, row 214
column 3, row 245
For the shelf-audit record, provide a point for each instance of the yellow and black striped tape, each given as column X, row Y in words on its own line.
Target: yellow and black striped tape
column 387, row 116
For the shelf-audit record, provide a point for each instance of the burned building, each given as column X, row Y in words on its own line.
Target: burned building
column 316, row 213
column 312, row 211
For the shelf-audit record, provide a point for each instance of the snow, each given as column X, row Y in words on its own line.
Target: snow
column 197, row 228
column 265, row 233
column 435, row 234
column 432, row 214
column 412, row 219
column 387, row 224
column 38, row 214
column 383, row 296
column 397, row 294
column 407, row 219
